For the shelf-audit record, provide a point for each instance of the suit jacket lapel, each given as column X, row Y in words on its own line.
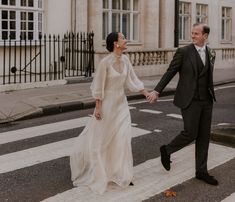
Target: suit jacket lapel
column 192, row 55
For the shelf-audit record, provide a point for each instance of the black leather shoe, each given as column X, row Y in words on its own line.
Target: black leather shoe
column 207, row 178
column 165, row 158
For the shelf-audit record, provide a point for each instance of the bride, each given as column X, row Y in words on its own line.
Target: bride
column 102, row 152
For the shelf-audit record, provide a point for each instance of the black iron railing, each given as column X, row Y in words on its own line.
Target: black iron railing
column 50, row 57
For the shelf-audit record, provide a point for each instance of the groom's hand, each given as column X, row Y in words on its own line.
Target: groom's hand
column 152, row 97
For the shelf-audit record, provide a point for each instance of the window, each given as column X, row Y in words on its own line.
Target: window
column 226, row 27
column 202, row 13
column 184, row 21
column 21, row 19
column 123, row 16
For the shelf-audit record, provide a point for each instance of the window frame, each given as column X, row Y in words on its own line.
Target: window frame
column 229, row 20
column 18, row 9
column 200, row 16
column 109, row 11
column 182, row 17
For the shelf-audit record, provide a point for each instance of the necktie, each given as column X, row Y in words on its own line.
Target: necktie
column 202, row 54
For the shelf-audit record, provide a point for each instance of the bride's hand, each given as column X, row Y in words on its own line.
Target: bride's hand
column 98, row 114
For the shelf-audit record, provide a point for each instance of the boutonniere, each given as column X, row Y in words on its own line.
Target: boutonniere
column 212, row 55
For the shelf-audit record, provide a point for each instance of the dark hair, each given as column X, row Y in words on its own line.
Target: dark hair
column 110, row 39
column 205, row 27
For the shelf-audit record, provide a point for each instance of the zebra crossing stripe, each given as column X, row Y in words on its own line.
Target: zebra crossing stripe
column 178, row 116
column 150, row 178
column 35, row 131
column 230, row 198
column 150, row 111
column 25, row 158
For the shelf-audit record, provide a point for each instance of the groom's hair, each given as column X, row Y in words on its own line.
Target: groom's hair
column 205, row 27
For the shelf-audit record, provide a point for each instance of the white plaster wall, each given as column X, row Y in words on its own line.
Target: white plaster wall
column 95, row 22
column 57, row 16
column 150, row 24
column 81, row 13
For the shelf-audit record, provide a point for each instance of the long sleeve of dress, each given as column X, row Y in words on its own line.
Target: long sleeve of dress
column 132, row 82
column 98, row 83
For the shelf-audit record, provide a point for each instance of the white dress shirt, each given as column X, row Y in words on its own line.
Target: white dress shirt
column 202, row 53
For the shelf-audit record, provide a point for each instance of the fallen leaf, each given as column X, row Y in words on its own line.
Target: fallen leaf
column 170, row 193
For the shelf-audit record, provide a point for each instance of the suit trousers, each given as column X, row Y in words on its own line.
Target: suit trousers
column 197, row 125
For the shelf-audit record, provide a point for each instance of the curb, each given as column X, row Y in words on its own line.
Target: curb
column 79, row 105
column 224, row 134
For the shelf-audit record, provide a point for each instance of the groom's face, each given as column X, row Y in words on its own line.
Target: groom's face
column 198, row 36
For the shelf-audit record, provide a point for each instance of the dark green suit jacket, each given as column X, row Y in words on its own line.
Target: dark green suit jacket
column 184, row 62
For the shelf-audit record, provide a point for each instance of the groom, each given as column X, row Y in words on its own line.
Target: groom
column 194, row 96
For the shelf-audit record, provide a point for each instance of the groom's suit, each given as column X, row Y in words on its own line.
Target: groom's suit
column 194, row 96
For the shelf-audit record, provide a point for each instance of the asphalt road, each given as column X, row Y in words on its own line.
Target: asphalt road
column 42, row 180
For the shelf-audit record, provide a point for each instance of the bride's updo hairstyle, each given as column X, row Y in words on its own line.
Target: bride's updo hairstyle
column 111, row 38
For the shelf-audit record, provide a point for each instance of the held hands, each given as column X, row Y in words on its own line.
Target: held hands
column 152, row 97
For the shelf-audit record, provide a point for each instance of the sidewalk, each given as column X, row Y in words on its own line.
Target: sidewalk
column 34, row 102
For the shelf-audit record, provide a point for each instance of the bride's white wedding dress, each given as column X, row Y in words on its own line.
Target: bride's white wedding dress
column 102, row 152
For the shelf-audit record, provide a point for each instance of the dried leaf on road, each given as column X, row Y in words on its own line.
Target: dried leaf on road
column 170, row 193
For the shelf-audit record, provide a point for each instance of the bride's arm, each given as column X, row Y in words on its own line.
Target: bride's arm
column 98, row 106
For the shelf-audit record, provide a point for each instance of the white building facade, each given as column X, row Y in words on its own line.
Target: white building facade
column 147, row 24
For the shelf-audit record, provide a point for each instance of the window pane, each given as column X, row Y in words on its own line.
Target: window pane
column 4, row 14
column 23, row 35
column 39, row 16
column 136, row 5
column 12, row 25
column 223, row 12
column 4, row 2
column 30, row 3
column 12, row 2
column 115, row 22
column 126, row 25
column 13, row 35
column 23, row 25
column 23, row 3
column 115, row 4
column 30, row 26
column 39, row 3
column 4, row 25
column 105, row 3
column 186, row 8
column 23, row 15
column 12, row 15
column 126, row 4
column 30, row 16
column 4, row 35
column 105, row 25
column 228, row 13
column 30, row 35
column 223, row 28
column 136, row 27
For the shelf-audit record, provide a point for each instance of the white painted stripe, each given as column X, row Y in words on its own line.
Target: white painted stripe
column 150, row 111
column 166, row 100
column 136, row 132
column 134, row 124
column 223, row 124
column 150, row 178
column 138, row 102
column 35, row 131
column 230, row 198
column 224, row 87
column 48, row 152
column 130, row 107
column 157, row 130
column 178, row 116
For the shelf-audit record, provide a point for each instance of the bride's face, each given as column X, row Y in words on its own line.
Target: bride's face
column 122, row 42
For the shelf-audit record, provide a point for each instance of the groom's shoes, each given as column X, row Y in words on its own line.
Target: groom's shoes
column 207, row 178
column 165, row 158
